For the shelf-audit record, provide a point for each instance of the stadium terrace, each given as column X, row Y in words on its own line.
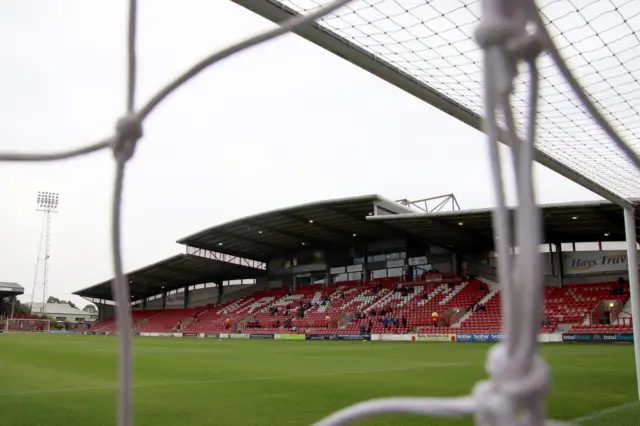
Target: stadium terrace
column 363, row 265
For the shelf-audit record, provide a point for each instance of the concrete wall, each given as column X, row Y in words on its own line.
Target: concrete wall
column 105, row 312
column 203, row 296
column 175, row 300
column 154, row 304
column 596, row 278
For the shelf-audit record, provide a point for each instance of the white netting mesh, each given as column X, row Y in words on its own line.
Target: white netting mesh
column 511, row 33
column 432, row 41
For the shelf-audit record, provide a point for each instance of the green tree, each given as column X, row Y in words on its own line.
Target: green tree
column 91, row 309
column 53, row 299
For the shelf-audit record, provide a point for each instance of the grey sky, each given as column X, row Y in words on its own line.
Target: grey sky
column 278, row 125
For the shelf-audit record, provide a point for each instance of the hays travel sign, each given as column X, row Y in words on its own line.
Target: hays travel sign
column 589, row 262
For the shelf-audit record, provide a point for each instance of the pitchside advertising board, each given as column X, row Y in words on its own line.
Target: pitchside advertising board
column 261, row 336
column 491, row 338
column 435, row 338
column 290, row 336
column 598, row 338
column 189, row 334
column 337, row 337
column 590, row 262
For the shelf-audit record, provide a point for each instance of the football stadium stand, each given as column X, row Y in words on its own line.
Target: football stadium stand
column 471, row 306
column 370, row 265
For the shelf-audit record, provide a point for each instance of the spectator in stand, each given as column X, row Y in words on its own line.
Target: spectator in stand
column 386, row 322
column 227, row 323
column 177, row 327
column 382, row 312
column 327, row 318
column 434, row 318
column 404, row 322
column 396, row 322
column 277, row 324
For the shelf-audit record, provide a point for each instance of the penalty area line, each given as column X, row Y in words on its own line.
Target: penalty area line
column 605, row 412
column 234, row 380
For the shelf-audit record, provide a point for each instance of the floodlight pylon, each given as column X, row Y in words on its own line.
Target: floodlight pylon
column 47, row 203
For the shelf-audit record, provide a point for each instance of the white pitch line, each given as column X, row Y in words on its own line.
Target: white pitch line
column 606, row 411
column 234, row 380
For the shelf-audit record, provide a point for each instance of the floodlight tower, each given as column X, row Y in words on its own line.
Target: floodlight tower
column 47, row 203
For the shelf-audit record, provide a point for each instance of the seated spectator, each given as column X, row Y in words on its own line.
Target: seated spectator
column 434, row 318
column 404, row 322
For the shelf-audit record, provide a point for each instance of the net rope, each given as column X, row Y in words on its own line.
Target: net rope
column 510, row 33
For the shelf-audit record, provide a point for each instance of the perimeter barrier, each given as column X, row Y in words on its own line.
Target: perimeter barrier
column 445, row 337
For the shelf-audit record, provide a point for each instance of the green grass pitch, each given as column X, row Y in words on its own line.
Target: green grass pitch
column 63, row 380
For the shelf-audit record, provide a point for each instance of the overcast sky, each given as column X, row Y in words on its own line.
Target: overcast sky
column 281, row 124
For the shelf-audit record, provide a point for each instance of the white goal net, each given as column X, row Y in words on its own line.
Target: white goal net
column 500, row 59
column 21, row 325
column 431, row 44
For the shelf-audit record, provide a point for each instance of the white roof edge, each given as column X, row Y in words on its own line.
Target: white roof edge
column 490, row 209
column 372, row 197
